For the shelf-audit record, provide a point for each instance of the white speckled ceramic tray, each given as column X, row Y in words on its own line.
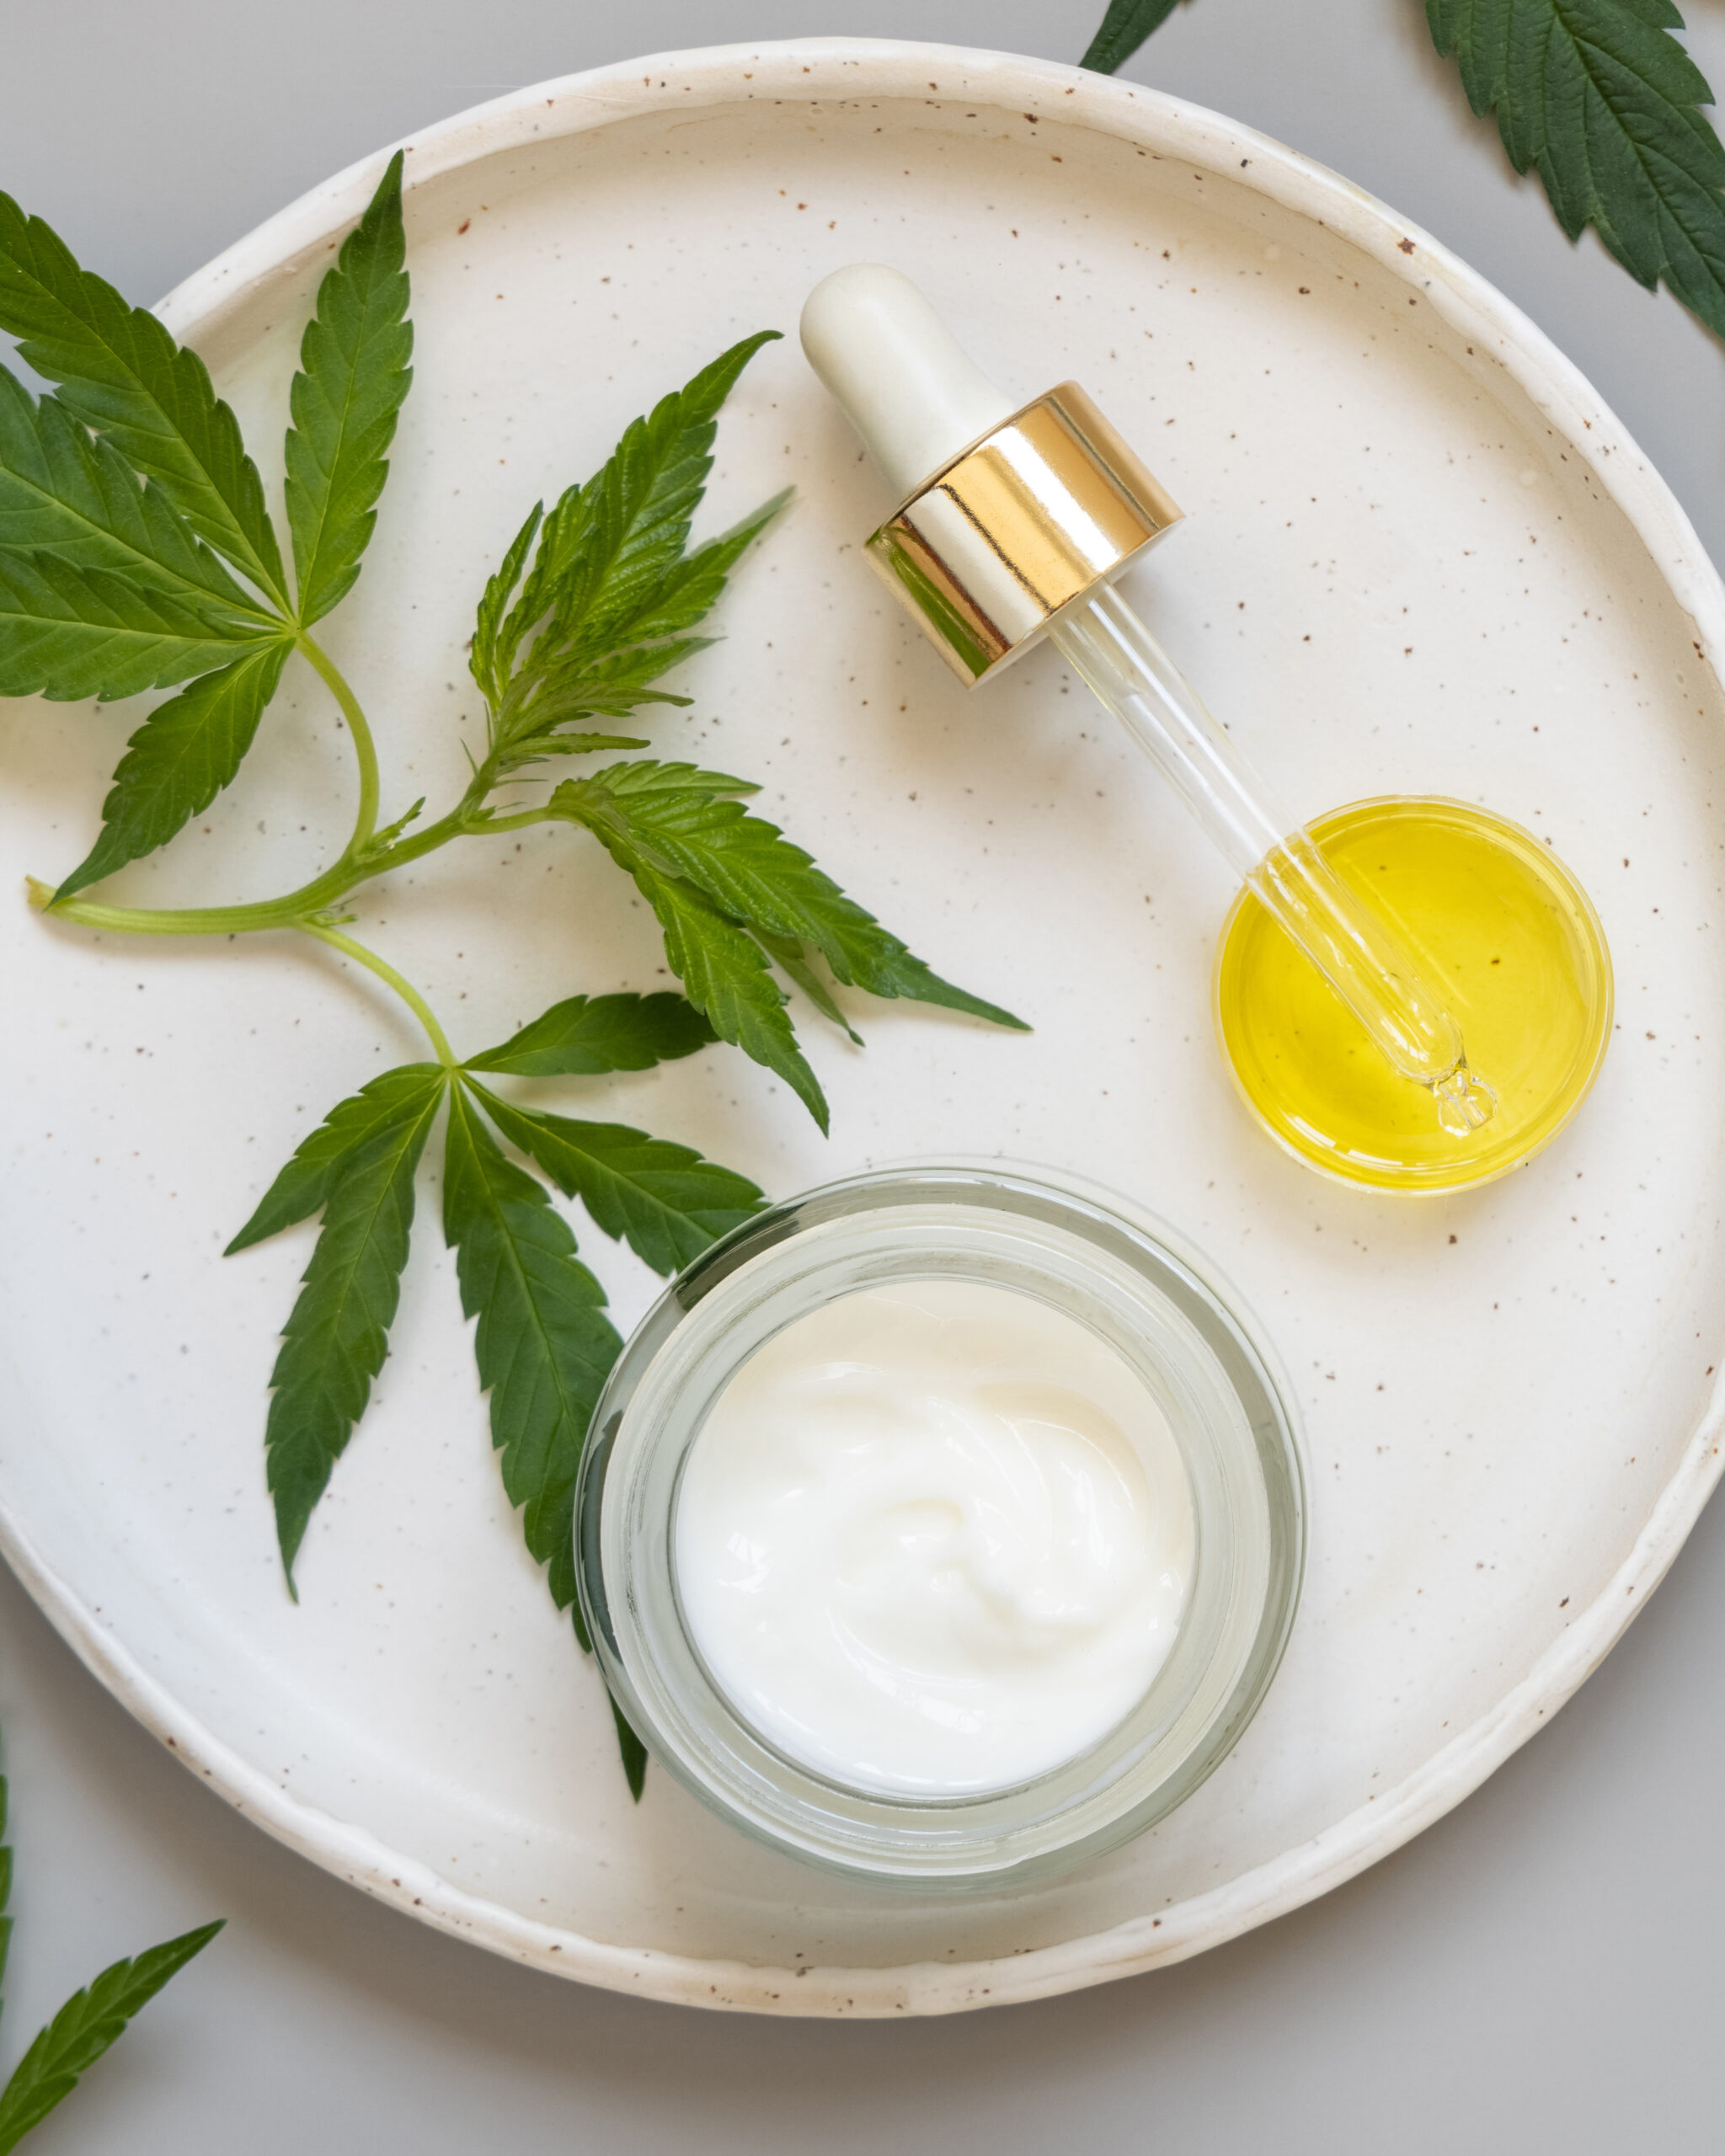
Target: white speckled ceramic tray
column 1421, row 556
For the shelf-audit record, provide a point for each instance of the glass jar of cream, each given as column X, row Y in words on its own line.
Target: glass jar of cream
column 942, row 1525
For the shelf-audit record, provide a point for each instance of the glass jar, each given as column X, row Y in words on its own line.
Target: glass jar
column 1085, row 1252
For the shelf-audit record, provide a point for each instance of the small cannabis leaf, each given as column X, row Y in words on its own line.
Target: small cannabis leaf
column 726, row 971
column 1601, row 99
column 678, row 832
column 592, row 603
column 1124, row 28
column 89, row 2022
column 354, row 376
column 606, row 588
column 1598, row 98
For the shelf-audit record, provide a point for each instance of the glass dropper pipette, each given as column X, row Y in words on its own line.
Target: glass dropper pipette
column 1013, row 520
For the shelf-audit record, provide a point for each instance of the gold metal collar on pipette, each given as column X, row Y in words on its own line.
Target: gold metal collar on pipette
column 1044, row 507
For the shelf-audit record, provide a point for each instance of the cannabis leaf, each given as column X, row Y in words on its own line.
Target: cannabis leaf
column 1596, row 95
column 585, row 1036
column 179, row 760
column 123, row 376
column 725, row 972
column 746, row 866
column 602, row 608
column 1124, row 28
column 68, row 632
column 83, row 2029
column 544, row 1344
column 320, row 1161
column 88, row 2023
column 354, row 374
column 334, row 1344
column 663, row 1200
column 493, row 653
column 593, row 602
column 66, row 491
column 108, row 585
column 1602, row 100
column 675, row 828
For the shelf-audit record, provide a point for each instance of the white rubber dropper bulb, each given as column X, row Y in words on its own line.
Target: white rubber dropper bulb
column 898, row 372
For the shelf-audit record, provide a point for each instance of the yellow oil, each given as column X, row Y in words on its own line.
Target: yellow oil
column 1498, row 924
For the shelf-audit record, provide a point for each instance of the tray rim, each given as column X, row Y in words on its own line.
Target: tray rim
column 822, row 70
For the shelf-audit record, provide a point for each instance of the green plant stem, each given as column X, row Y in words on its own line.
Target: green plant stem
column 365, row 748
column 359, row 864
column 286, row 912
column 385, row 972
column 520, row 821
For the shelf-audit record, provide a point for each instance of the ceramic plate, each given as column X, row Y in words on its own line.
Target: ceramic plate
column 1421, row 556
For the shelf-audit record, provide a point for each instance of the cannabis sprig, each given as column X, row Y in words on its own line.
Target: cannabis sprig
column 136, row 552
column 90, row 2021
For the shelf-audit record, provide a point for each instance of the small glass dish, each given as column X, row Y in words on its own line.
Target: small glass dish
column 1085, row 1252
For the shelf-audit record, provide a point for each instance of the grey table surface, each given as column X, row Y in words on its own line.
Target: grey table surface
column 1541, row 1970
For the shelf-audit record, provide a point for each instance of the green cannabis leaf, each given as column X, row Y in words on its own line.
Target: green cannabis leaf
column 632, row 1753
column 544, row 1344
column 606, row 586
column 179, row 760
column 123, row 376
column 321, row 1160
column 89, row 2021
column 83, row 2029
column 66, row 491
column 68, row 632
column 110, row 492
column 354, row 376
column 1124, row 28
column 1602, row 100
column 583, row 1037
column 663, row 1200
column 726, row 971
column 592, row 603
column 677, row 830
column 1598, row 98
column 334, row 1344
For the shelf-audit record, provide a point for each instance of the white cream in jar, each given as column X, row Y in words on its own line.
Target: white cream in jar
column 934, row 1538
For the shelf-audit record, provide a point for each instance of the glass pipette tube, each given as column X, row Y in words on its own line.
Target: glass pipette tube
column 1342, row 935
